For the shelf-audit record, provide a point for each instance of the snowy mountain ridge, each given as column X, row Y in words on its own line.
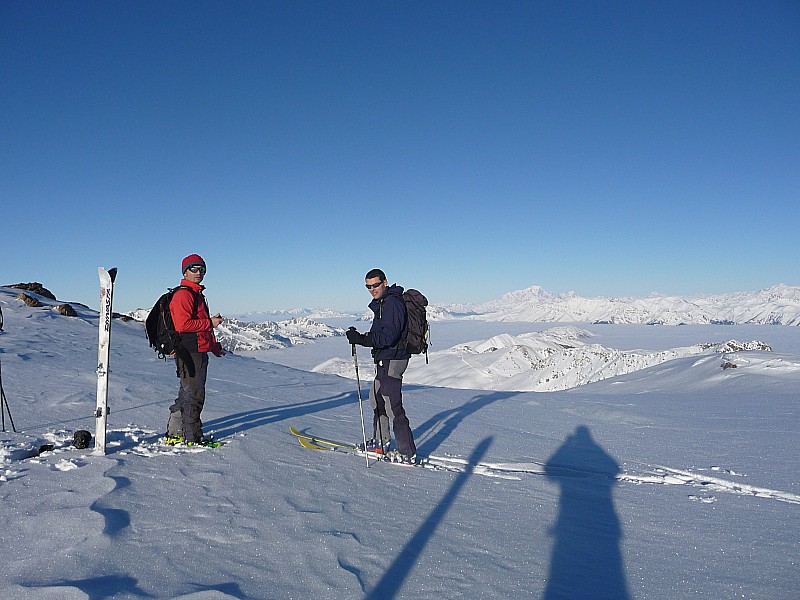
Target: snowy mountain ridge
column 278, row 315
column 777, row 305
column 241, row 336
column 247, row 336
column 555, row 359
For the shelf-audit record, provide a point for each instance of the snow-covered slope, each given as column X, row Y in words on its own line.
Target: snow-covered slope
column 555, row 359
column 685, row 466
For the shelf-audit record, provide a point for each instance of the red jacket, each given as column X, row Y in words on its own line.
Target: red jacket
column 190, row 315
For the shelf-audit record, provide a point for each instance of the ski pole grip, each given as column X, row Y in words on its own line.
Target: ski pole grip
column 354, row 346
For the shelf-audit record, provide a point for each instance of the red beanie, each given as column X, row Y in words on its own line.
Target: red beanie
column 193, row 260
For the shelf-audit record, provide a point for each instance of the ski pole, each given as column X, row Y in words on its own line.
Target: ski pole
column 360, row 405
column 5, row 407
column 3, row 400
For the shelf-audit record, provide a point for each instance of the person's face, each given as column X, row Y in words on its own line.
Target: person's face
column 376, row 286
column 195, row 274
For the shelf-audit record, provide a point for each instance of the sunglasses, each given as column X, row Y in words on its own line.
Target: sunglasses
column 373, row 285
column 197, row 270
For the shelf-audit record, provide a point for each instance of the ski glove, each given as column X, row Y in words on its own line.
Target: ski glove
column 362, row 339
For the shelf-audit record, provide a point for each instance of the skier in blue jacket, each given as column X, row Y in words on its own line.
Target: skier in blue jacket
column 386, row 395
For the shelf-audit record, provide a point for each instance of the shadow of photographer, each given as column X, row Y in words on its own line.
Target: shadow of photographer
column 586, row 560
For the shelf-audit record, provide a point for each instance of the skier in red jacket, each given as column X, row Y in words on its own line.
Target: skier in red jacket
column 192, row 320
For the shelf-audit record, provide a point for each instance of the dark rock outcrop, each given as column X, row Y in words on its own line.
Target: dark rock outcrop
column 36, row 288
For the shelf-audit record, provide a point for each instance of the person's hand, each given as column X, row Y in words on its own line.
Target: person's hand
column 216, row 320
column 354, row 337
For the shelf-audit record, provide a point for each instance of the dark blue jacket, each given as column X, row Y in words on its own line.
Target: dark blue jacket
column 388, row 325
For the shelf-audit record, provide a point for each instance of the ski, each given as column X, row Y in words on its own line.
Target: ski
column 317, row 443
column 311, row 445
column 455, row 464
column 318, row 440
column 103, row 346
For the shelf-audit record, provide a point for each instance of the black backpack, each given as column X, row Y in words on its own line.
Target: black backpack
column 160, row 329
column 417, row 331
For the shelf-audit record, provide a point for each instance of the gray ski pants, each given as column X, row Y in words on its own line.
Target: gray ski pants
column 386, row 397
column 191, row 398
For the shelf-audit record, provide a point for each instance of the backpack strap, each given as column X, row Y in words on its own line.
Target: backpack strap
column 195, row 295
column 180, row 350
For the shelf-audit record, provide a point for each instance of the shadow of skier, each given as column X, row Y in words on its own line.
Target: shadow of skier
column 586, row 561
column 444, row 423
column 235, row 423
column 392, row 580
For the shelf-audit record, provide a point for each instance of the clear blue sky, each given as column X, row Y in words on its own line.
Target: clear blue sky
column 467, row 148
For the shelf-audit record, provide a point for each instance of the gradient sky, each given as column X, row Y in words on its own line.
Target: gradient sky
column 467, row 148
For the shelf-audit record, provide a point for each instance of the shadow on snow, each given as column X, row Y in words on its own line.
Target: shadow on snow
column 445, row 422
column 586, row 560
column 109, row 586
column 392, row 580
column 238, row 422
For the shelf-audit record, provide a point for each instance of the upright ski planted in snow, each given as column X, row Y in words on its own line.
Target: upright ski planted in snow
column 103, row 346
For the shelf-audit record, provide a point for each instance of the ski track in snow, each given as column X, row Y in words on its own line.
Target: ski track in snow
column 148, row 443
column 656, row 475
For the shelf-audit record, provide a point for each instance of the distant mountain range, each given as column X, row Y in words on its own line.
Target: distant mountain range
column 242, row 336
column 261, row 316
column 777, row 305
column 248, row 336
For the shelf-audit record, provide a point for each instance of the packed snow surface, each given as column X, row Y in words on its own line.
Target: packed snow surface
column 674, row 479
